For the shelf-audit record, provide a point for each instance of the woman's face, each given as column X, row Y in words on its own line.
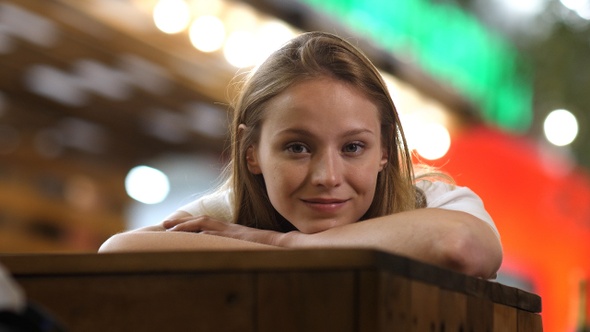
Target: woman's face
column 320, row 152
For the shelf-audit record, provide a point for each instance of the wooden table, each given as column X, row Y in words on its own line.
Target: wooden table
column 277, row 291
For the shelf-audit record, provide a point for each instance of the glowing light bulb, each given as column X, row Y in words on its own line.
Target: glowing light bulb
column 147, row 185
column 561, row 127
column 207, row 33
column 171, row 16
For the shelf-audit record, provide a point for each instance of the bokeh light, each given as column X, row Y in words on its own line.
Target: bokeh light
column 147, row 185
column 238, row 50
column 561, row 127
column 271, row 36
column 240, row 17
column 207, row 33
column 433, row 141
column 172, row 16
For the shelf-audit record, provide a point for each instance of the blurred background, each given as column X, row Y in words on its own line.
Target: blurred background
column 113, row 113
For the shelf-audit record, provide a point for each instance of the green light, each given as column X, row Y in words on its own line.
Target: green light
column 449, row 44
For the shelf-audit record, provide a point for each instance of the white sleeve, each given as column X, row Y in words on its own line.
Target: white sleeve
column 451, row 197
column 216, row 205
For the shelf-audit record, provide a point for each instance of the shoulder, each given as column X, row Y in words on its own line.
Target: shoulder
column 448, row 196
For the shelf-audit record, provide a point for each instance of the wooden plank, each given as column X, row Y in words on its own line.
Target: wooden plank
column 480, row 314
column 505, row 318
column 370, row 310
column 503, row 294
column 529, row 301
column 24, row 266
column 172, row 302
column 384, row 302
column 306, row 301
column 529, row 322
column 190, row 261
column 424, row 307
column 395, row 303
column 453, row 311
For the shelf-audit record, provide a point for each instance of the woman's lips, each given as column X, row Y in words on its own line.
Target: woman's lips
column 325, row 204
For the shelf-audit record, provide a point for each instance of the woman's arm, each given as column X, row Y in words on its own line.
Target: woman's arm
column 156, row 238
column 447, row 238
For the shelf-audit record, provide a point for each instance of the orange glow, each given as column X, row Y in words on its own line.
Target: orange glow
column 542, row 213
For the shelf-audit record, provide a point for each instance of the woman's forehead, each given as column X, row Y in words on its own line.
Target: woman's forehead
column 323, row 102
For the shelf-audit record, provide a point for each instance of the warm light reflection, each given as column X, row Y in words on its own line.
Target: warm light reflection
column 147, row 185
column 435, row 141
column 246, row 36
column 240, row 18
column 238, row 49
column 426, row 122
column 207, row 33
column 561, row 127
column 145, row 6
column 171, row 16
column 207, row 7
column 431, row 140
column 270, row 37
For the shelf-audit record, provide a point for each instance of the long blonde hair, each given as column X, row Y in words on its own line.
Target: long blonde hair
column 309, row 56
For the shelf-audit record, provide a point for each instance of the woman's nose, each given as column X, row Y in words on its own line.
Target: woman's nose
column 327, row 170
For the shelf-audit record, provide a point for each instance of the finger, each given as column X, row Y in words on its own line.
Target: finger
column 169, row 223
column 187, row 226
column 204, row 224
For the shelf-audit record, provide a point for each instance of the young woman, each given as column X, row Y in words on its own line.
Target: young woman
column 319, row 159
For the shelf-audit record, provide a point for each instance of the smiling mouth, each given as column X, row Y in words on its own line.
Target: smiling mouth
column 325, row 201
column 329, row 206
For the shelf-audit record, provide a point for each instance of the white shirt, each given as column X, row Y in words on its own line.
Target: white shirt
column 438, row 195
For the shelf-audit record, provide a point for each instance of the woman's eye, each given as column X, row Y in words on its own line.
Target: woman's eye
column 297, row 148
column 353, row 148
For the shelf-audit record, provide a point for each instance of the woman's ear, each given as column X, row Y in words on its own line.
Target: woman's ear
column 384, row 159
column 251, row 156
column 252, row 161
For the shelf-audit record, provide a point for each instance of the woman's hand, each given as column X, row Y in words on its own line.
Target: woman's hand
column 212, row 226
column 195, row 233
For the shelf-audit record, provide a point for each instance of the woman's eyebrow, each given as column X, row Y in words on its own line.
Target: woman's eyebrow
column 305, row 132
column 296, row 131
column 354, row 132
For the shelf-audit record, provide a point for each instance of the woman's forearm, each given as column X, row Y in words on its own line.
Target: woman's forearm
column 451, row 239
column 146, row 240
